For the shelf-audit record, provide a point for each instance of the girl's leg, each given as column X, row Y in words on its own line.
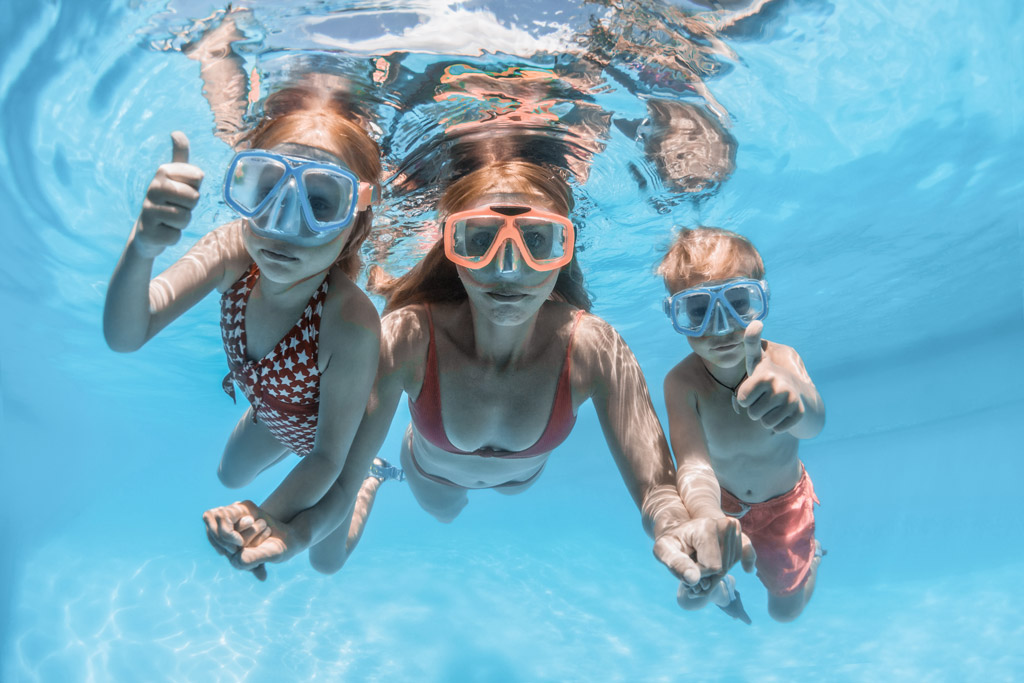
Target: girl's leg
column 442, row 501
column 250, row 450
column 330, row 554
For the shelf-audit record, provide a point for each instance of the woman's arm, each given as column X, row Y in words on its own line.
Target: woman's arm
column 689, row 548
column 402, row 352
column 137, row 308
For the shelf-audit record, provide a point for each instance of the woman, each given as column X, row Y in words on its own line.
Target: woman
column 490, row 338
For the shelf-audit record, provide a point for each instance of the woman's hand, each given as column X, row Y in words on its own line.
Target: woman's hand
column 171, row 196
column 713, row 545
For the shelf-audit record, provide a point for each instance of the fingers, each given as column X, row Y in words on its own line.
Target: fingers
column 748, row 556
column 260, row 572
column 752, row 345
column 671, row 553
column 179, row 147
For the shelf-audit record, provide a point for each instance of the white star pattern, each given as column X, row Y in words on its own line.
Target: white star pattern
column 284, row 387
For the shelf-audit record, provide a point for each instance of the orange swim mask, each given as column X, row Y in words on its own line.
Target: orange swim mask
column 473, row 238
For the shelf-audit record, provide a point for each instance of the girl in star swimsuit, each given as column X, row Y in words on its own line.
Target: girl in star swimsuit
column 490, row 338
column 301, row 338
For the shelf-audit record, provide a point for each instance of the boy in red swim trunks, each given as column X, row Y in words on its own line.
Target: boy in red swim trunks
column 738, row 407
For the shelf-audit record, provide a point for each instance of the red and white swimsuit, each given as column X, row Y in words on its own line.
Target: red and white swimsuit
column 283, row 386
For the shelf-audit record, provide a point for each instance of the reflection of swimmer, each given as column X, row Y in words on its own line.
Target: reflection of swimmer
column 738, row 406
column 301, row 338
column 690, row 149
column 490, row 338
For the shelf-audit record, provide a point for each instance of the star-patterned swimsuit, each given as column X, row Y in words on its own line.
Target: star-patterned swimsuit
column 283, row 386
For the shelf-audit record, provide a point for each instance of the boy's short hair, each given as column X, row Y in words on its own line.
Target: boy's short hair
column 703, row 254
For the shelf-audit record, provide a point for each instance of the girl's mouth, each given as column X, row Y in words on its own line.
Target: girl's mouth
column 276, row 256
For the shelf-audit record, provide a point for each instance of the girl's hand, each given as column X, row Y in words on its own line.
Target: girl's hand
column 248, row 536
column 167, row 208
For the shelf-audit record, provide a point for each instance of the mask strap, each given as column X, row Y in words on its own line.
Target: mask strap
column 369, row 193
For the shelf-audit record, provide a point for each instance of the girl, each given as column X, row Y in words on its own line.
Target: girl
column 301, row 338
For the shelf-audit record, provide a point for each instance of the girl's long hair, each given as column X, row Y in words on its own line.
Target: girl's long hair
column 324, row 117
column 435, row 279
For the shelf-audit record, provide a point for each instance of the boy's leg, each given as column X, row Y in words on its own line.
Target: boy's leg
column 443, row 501
column 784, row 608
column 250, row 449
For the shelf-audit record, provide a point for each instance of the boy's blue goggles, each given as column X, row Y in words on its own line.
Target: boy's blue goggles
column 293, row 198
column 706, row 310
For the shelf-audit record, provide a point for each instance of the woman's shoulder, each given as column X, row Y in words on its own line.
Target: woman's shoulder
column 406, row 330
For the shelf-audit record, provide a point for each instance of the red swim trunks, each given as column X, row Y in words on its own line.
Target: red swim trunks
column 781, row 530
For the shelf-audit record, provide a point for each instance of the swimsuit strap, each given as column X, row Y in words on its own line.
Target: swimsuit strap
column 426, row 409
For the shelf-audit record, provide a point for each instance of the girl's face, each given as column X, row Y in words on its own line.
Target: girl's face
column 507, row 291
column 285, row 262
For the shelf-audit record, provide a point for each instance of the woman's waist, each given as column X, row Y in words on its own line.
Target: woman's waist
column 480, row 469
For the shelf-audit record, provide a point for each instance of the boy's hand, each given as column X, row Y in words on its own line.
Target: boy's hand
column 167, row 208
column 771, row 393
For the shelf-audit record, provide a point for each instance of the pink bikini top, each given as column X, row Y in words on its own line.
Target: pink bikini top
column 426, row 409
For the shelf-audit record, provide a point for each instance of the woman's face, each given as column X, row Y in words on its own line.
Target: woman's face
column 285, row 262
column 507, row 291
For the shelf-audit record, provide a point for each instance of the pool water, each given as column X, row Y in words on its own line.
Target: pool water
column 879, row 173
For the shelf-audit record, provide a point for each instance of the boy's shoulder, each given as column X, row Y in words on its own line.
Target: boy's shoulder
column 688, row 373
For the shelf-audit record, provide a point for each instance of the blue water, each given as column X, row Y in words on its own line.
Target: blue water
column 879, row 173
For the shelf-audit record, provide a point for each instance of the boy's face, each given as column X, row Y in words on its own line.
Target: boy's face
column 722, row 342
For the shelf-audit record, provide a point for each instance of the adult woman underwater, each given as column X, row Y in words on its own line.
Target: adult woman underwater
column 490, row 338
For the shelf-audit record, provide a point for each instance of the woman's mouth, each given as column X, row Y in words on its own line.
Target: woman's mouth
column 277, row 256
column 506, row 297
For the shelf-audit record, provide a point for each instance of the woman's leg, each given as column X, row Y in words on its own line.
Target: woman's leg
column 251, row 449
column 443, row 501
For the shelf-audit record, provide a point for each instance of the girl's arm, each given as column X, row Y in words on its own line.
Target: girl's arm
column 402, row 351
column 349, row 348
column 689, row 548
column 137, row 308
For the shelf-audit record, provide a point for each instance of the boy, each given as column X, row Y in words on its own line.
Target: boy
column 737, row 407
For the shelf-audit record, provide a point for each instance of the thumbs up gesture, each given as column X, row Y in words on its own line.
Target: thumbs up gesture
column 167, row 208
column 773, row 392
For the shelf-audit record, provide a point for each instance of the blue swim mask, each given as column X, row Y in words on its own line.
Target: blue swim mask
column 292, row 198
column 707, row 310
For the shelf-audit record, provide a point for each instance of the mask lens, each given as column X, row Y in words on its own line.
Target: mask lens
column 746, row 301
column 329, row 195
column 545, row 239
column 690, row 310
column 254, row 178
column 472, row 237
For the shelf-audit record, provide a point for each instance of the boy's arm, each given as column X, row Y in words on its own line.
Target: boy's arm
column 695, row 477
column 778, row 392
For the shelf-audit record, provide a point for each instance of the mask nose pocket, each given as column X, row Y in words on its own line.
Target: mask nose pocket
column 720, row 323
column 507, row 262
